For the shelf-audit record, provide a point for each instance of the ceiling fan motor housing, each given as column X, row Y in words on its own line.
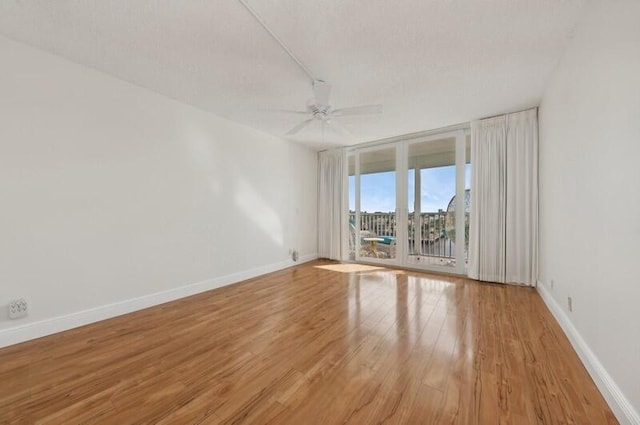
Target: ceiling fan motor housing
column 320, row 113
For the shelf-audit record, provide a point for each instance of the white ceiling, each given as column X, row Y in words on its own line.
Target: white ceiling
column 430, row 63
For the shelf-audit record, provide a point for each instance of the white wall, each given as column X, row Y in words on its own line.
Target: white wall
column 111, row 192
column 590, row 188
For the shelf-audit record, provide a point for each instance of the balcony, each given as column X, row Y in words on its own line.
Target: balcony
column 436, row 245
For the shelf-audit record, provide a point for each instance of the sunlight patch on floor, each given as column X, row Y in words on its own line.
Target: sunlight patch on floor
column 350, row 268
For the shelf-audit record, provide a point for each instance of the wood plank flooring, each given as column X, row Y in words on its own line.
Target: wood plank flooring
column 321, row 343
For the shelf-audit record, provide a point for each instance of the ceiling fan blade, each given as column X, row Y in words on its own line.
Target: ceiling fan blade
column 358, row 110
column 299, row 127
column 321, row 90
column 285, row 111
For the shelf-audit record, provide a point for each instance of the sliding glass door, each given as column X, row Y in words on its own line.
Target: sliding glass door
column 428, row 175
column 373, row 226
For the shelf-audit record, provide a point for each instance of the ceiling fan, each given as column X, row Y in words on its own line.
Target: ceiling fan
column 318, row 109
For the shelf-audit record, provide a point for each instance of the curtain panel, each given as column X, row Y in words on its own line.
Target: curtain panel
column 503, row 240
column 330, row 193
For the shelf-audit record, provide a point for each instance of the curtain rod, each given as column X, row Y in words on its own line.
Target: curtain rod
column 507, row 113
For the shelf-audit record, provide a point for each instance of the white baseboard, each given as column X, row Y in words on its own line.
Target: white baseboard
column 62, row 323
column 624, row 411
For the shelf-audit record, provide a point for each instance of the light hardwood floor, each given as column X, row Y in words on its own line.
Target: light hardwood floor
column 321, row 343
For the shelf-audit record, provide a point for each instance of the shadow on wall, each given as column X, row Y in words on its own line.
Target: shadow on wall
column 255, row 208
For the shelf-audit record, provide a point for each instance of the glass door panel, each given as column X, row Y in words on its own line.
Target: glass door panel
column 431, row 195
column 377, row 204
column 467, row 197
column 351, row 172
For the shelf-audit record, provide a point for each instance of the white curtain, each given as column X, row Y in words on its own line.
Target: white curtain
column 330, row 188
column 488, row 195
column 503, row 240
column 522, row 197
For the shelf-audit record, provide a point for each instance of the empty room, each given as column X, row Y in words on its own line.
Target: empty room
column 330, row 212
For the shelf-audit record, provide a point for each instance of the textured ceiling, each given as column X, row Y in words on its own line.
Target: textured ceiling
column 430, row 63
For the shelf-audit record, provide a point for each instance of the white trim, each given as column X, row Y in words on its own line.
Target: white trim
column 346, row 231
column 460, row 153
column 356, row 216
column 410, row 136
column 69, row 321
column 622, row 408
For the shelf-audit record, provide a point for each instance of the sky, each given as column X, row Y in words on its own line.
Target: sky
column 438, row 185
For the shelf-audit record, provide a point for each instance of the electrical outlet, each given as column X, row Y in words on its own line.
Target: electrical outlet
column 18, row 308
column 551, row 283
column 570, row 303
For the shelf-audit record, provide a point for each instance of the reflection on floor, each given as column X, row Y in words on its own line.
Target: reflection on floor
column 349, row 267
column 426, row 260
column 321, row 343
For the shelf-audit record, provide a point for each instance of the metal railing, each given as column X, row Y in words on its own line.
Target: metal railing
column 434, row 240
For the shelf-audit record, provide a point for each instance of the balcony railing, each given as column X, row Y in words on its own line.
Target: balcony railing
column 435, row 237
